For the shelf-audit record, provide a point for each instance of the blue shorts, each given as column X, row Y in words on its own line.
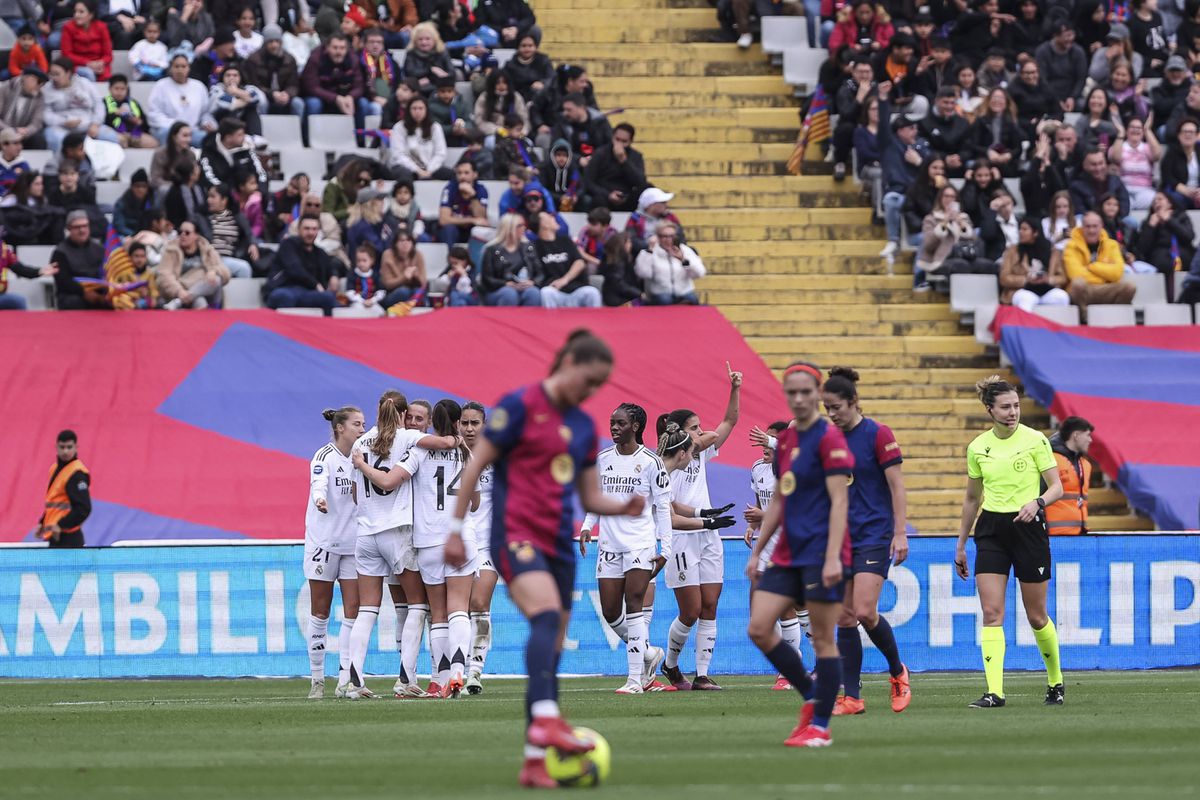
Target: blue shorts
column 873, row 560
column 517, row 558
column 802, row 584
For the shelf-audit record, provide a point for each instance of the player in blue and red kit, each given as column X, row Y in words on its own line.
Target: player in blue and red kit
column 812, row 557
column 878, row 509
column 544, row 449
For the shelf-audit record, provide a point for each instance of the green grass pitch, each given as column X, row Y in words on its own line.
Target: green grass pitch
column 1127, row 735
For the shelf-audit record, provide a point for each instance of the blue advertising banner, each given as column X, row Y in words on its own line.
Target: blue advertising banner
column 1120, row 602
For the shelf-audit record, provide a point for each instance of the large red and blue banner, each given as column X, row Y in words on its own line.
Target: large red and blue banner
column 1140, row 387
column 200, row 425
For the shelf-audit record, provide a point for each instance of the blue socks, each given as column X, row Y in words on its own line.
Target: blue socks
column 541, row 658
column 883, row 639
column 786, row 659
column 829, row 679
column 850, row 646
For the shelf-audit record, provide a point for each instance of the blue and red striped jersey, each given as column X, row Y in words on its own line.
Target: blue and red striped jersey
column 871, row 517
column 803, row 460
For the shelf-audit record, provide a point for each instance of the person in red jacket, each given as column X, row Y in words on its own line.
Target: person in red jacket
column 87, row 43
column 864, row 28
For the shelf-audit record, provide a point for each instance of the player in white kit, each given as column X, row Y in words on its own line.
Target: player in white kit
column 435, row 475
column 699, row 569
column 478, row 526
column 792, row 624
column 330, row 527
column 628, row 545
column 385, row 516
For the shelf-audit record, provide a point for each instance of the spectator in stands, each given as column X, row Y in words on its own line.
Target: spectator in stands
column 27, row 52
column 1170, row 94
column 451, row 111
column 584, row 129
column 77, row 256
column 1031, row 272
column 561, row 176
column 519, row 178
column 512, row 146
column 982, row 183
column 284, row 206
column 593, row 236
column 946, row 131
column 87, row 44
column 669, row 269
column 999, row 229
column 368, row 221
column 306, row 277
column 896, row 64
column 1100, row 125
column 403, row 207
column 233, row 98
column 74, row 152
column 463, row 205
column 1135, row 154
column 1064, row 66
column 901, row 154
column 22, row 106
column 131, row 212
column 329, row 230
column 1120, row 229
column 533, row 206
column 155, row 237
column 333, row 83
column 652, row 213
column 418, row 145
column 176, row 149
column 208, row 66
column 1117, row 48
column 529, row 71
column 402, row 270
column 427, row 59
column 994, row 72
column 1095, row 180
column 27, row 191
column 866, row 143
column 948, row 242
column 227, row 153
column 1034, row 98
column 564, row 275
column 1191, row 284
column 616, row 174
column 848, row 105
column 866, row 29
column 341, row 192
column 191, row 274
column 274, row 70
column 1061, row 221
column 1129, row 101
column 183, row 198
column 510, row 18
column 1188, row 109
column 246, row 40
column 1181, row 166
column 8, row 261
column 381, row 73
column 934, row 70
column 1094, row 266
column 978, row 29
column 12, row 163
column 68, row 192
column 996, row 135
column 1051, row 166
column 228, row 231
column 72, row 105
column 921, row 197
column 190, row 22
column 619, row 270
column 1165, row 240
column 545, row 110
column 179, row 98
column 149, row 57
column 511, row 269
column 125, row 116
column 968, row 94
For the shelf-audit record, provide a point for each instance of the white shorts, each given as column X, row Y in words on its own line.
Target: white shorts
column 322, row 565
column 615, row 565
column 696, row 558
column 385, row 553
column 483, row 558
column 431, row 561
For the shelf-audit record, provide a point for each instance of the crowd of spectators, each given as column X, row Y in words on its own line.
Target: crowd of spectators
column 420, row 81
column 1089, row 109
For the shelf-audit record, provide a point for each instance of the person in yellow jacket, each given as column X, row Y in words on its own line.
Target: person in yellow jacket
column 1068, row 515
column 1095, row 265
column 68, row 496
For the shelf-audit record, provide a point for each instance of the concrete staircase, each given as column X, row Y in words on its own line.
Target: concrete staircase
column 793, row 261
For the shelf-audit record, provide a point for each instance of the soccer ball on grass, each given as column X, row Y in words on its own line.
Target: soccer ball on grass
column 587, row 769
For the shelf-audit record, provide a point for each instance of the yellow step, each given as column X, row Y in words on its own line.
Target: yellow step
column 664, row 34
column 707, row 116
column 793, row 328
column 770, row 216
column 861, row 361
column 862, row 312
column 693, row 87
column 555, row 20
column 715, row 284
column 787, row 249
column 584, row 53
column 805, row 297
column 799, row 265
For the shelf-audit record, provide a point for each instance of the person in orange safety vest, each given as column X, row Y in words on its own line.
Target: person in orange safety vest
column 68, row 496
column 1068, row 515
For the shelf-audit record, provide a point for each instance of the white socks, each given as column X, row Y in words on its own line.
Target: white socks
column 805, row 626
column 459, row 643
column 344, row 650
column 789, row 629
column 620, row 627
column 635, row 646
column 439, row 637
column 360, row 640
column 401, row 616
column 481, row 641
column 318, row 628
column 706, row 642
column 648, row 616
column 676, row 639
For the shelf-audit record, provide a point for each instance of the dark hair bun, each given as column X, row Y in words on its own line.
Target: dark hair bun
column 844, row 372
column 328, row 414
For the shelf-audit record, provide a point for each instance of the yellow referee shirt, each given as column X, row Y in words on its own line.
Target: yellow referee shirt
column 1011, row 468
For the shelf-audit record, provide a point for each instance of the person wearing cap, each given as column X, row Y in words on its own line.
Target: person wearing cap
column 131, row 212
column 125, row 115
column 208, row 66
column 511, row 18
column 651, row 212
column 86, row 42
column 180, row 98
column 1148, row 35
column 901, row 154
column 1063, row 65
column 533, row 206
column 275, row 71
column 616, row 175
column 77, row 256
column 1117, row 48
column 12, row 165
column 1170, row 93
column 225, row 155
column 332, row 80
column 191, row 22
column 994, row 72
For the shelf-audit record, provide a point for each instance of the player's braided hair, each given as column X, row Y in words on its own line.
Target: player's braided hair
column 392, row 408
column 992, row 387
column 637, row 417
column 672, row 439
column 339, row 416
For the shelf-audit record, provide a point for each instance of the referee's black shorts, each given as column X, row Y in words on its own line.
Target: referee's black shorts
column 1001, row 545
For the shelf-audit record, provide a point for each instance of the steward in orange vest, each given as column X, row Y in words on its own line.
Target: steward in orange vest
column 1068, row 516
column 68, row 499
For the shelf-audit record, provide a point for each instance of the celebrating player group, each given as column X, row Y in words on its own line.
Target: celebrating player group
column 440, row 516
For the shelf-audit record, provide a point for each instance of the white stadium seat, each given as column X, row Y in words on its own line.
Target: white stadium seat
column 282, row 131
column 1110, row 316
column 1151, row 288
column 1167, row 314
column 35, row 255
column 36, row 291
column 428, row 195
column 437, row 256
column 1180, row 277
column 136, row 158
column 801, row 66
column 121, row 65
column 784, row 33
column 575, row 221
column 301, row 312
column 37, row 159
column 503, row 55
column 1063, row 315
column 140, row 91
column 984, row 315
column 301, row 159
column 355, row 312
column 968, row 292
column 109, row 192
column 241, row 293
column 333, row 132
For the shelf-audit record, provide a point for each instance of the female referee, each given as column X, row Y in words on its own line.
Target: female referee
column 810, row 561
column 1006, row 466
column 329, row 531
column 544, row 448
column 878, row 538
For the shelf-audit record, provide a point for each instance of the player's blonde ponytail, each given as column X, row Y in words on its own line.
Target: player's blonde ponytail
column 392, row 408
column 992, row 387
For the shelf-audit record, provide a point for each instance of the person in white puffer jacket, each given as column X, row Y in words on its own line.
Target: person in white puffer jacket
column 669, row 269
